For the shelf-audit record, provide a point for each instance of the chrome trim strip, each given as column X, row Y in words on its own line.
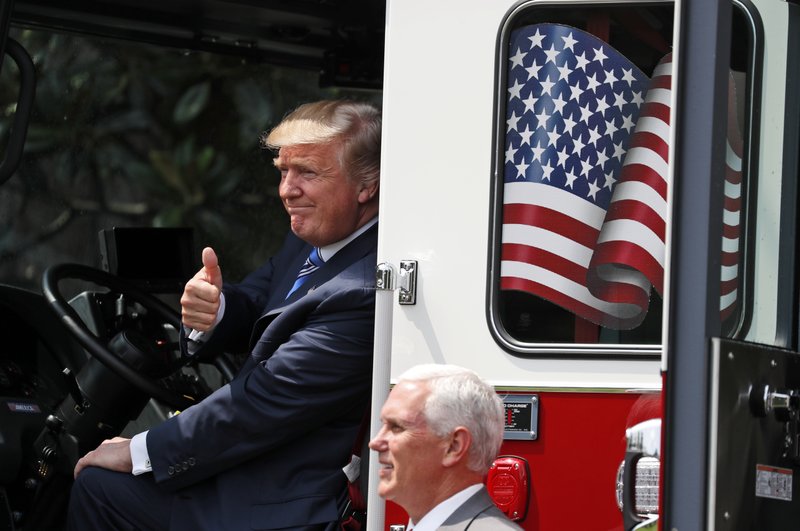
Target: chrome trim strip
column 583, row 390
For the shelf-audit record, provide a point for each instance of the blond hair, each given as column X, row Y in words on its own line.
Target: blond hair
column 357, row 125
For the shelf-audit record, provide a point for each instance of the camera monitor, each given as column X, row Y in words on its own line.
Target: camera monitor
column 157, row 260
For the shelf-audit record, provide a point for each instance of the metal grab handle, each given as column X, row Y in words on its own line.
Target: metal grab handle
column 19, row 128
column 629, row 517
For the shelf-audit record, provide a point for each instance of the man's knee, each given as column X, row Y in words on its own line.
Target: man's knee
column 104, row 499
column 86, row 499
column 87, row 488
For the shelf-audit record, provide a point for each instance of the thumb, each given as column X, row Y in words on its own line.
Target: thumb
column 211, row 268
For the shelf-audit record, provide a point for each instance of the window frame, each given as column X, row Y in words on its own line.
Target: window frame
column 498, row 331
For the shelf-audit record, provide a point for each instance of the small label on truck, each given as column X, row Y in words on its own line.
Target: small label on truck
column 23, row 407
column 773, row 482
column 522, row 417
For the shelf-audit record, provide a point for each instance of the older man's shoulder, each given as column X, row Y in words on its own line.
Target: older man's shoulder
column 492, row 519
column 478, row 513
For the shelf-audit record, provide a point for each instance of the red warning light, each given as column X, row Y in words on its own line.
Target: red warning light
column 508, row 486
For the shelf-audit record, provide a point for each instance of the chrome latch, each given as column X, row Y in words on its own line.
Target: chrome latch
column 384, row 277
column 407, row 282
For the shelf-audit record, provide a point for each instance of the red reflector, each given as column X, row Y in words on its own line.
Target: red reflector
column 507, row 483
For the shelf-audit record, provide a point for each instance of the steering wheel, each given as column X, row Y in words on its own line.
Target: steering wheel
column 75, row 325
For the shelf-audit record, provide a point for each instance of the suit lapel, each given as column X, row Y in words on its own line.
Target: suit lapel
column 463, row 516
column 352, row 252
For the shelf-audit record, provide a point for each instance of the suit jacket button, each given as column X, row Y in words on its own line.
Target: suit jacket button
column 171, row 470
column 191, row 461
column 185, row 465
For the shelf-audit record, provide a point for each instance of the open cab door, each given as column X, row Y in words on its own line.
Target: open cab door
column 732, row 378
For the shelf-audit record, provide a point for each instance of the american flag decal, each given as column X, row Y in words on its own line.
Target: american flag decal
column 584, row 202
column 732, row 211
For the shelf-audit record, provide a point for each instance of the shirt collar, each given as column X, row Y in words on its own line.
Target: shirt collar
column 437, row 516
column 327, row 252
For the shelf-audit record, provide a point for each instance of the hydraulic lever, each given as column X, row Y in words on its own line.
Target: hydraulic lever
column 74, row 391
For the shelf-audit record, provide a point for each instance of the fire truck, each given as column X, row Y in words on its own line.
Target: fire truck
column 592, row 204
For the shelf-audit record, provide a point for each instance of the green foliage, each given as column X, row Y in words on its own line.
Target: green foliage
column 124, row 134
column 192, row 103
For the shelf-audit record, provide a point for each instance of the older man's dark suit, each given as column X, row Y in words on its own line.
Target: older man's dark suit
column 266, row 451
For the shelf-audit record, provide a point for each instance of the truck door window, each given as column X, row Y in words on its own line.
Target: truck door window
column 770, row 292
column 741, row 158
column 581, row 169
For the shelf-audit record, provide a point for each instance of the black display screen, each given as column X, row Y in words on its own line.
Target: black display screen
column 158, row 259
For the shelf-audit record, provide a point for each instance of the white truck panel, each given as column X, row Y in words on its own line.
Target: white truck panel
column 435, row 198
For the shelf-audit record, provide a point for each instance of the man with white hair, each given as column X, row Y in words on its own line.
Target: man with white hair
column 442, row 429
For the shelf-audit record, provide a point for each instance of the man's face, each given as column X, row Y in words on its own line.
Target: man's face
column 324, row 205
column 410, row 455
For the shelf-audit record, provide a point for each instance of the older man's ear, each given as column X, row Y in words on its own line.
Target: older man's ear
column 458, row 449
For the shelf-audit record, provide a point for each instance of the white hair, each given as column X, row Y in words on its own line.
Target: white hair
column 459, row 397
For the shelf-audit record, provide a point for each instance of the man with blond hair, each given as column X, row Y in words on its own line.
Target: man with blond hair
column 266, row 451
column 442, row 427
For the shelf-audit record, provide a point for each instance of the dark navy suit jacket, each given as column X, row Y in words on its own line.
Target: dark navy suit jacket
column 266, row 451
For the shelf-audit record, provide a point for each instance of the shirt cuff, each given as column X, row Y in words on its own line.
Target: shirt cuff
column 195, row 338
column 140, row 458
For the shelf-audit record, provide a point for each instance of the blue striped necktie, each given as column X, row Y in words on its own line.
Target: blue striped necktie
column 312, row 263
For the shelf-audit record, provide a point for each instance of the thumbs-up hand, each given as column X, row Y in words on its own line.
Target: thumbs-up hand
column 200, row 299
